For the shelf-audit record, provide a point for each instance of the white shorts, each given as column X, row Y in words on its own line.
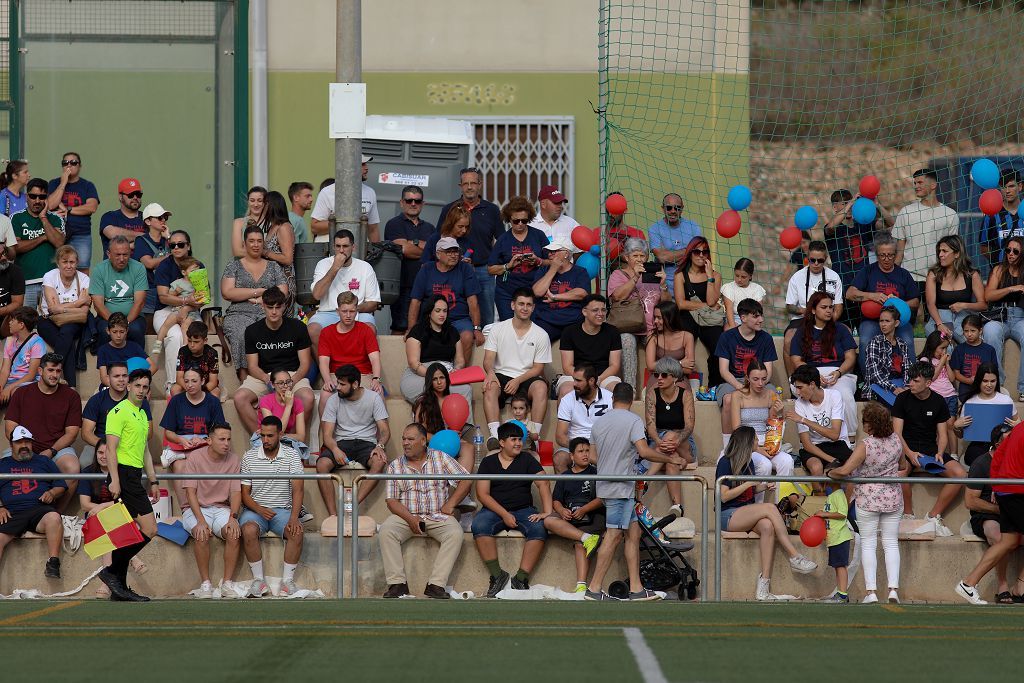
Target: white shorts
column 216, row 518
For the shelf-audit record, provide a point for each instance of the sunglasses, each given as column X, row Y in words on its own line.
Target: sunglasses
column 815, row 260
column 1013, row 251
column 519, row 221
column 70, row 162
column 702, row 252
column 668, row 207
column 177, row 245
column 663, row 375
column 37, row 196
column 133, row 195
column 413, row 201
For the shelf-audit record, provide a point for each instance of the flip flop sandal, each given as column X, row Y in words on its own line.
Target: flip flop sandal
column 1004, row 598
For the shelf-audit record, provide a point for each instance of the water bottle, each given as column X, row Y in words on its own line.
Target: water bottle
column 478, row 444
column 348, row 501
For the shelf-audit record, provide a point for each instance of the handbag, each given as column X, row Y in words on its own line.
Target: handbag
column 627, row 315
column 705, row 316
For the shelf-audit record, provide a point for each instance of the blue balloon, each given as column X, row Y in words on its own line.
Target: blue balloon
column 596, row 250
column 864, row 211
column 589, row 263
column 446, row 441
column 985, row 173
column 520, row 424
column 739, row 197
column 806, row 217
column 137, row 363
column 901, row 306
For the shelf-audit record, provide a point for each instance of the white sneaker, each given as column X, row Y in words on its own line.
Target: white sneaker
column 802, row 565
column 940, row 528
column 908, row 515
column 869, row 599
column 969, row 593
column 258, row 588
column 762, row 588
column 287, row 588
column 205, row 591
column 676, row 510
column 894, row 597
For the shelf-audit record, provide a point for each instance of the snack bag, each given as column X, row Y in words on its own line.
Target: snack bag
column 773, row 437
column 200, row 279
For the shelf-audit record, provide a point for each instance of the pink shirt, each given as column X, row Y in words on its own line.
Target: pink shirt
column 941, row 384
column 649, row 293
column 269, row 401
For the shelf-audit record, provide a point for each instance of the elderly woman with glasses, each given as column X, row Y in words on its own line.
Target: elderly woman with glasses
column 626, row 284
column 698, row 288
column 1005, row 292
column 669, row 419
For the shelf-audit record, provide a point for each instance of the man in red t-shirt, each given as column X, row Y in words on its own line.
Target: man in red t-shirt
column 1007, row 463
column 350, row 342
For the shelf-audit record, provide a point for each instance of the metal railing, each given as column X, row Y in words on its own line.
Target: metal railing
column 531, row 477
column 930, row 481
column 230, row 477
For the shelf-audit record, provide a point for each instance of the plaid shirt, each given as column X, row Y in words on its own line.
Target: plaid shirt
column 423, row 497
column 879, row 367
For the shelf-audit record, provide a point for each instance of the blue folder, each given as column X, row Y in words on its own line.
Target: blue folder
column 986, row 417
column 884, row 393
column 930, row 465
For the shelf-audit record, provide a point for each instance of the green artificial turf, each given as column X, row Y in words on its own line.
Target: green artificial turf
column 406, row 640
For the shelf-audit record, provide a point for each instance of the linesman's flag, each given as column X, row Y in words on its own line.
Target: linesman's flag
column 110, row 529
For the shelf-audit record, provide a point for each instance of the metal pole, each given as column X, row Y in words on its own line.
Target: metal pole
column 347, row 151
column 354, row 574
column 341, row 537
column 704, row 542
column 602, row 133
column 718, row 540
column 258, row 33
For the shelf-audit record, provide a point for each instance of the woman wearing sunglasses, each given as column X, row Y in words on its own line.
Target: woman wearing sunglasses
column 179, row 245
column 698, row 291
column 1005, row 291
column 76, row 199
column 516, row 254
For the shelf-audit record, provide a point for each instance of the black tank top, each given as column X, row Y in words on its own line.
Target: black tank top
column 1009, row 281
column 668, row 415
column 945, row 297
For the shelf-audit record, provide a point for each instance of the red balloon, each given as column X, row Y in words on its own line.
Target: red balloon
column 870, row 186
column 455, row 411
column 614, row 249
column 583, row 237
column 991, row 202
column 790, row 238
column 615, row 205
column 871, row 309
column 728, row 224
column 812, row 532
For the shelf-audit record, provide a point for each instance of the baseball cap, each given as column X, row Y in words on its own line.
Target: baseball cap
column 560, row 243
column 553, row 193
column 446, row 243
column 21, row 434
column 128, row 185
column 367, row 158
column 154, row 210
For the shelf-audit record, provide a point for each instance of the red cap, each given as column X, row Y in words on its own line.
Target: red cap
column 553, row 193
column 128, row 185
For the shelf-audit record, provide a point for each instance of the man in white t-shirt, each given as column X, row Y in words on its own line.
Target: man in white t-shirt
column 920, row 224
column 814, row 277
column 819, row 416
column 322, row 217
column 577, row 411
column 342, row 273
column 552, row 220
column 515, row 354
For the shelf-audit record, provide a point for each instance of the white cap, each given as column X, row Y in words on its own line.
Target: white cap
column 20, row 434
column 154, row 210
column 560, row 243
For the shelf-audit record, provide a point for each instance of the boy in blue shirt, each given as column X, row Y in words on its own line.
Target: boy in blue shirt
column 119, row 348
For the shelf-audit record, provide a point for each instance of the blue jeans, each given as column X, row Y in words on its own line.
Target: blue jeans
column 83, row 245
column 276, row 524
column 486, row 296
column 869, row 329
column 954, row 321
column 996, row 334
column 486, row 522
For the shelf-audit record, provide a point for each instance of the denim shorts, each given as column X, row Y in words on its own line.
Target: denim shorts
column 619, row 512
column 462, row 325
column 723, row 521
column 83, row 245
column 277, row 524
column 486, row 522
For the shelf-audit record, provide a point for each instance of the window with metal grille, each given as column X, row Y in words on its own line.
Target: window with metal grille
column 519, row 155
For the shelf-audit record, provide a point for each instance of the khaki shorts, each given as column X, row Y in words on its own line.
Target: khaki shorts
column 262, row 389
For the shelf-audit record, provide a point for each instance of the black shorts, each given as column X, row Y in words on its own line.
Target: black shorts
column 978, row 520
column 839, row 555
column 840, row 450
column 505, row 379
column 1011, row 513
column 595, row 525
column 355, row 450
column 26, row 520
column 133, row 493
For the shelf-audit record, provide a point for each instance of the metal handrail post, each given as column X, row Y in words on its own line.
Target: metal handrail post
column 341, row 537
column 718, row 540
column 704, row 540
column 354, row 574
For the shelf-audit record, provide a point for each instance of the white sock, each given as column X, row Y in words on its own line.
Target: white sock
column 289, row 571
column 257, row 569
column 725, row 440
column 493, row 427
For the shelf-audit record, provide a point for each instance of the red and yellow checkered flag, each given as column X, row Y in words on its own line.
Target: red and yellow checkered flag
column 109, row 529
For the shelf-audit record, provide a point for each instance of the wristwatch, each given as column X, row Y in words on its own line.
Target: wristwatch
column 376, row 378
column 711, row 279
column 415, row 243
column 476, row 328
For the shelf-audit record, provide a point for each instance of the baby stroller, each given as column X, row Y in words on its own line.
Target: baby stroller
column 662, row 564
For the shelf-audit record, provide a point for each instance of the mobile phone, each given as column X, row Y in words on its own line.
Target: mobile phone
column 650, row 274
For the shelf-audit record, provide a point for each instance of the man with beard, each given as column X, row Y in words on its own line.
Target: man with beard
column 577, row 411
column 552, row 219
column 322, row 222
column 126, row 220
column 354, row 428
column 342, row 273
column 27, row 504
column 300, row 194
column 39, row 233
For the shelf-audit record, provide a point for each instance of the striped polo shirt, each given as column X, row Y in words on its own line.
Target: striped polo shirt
column 271, row 493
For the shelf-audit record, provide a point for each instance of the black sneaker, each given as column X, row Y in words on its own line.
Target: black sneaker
column 396, row 590
column 436, row 592
column 305, row 515
column 135, row 597
column 518, row 585
column 497, row 584
column 52, row 570
column 118, row 591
